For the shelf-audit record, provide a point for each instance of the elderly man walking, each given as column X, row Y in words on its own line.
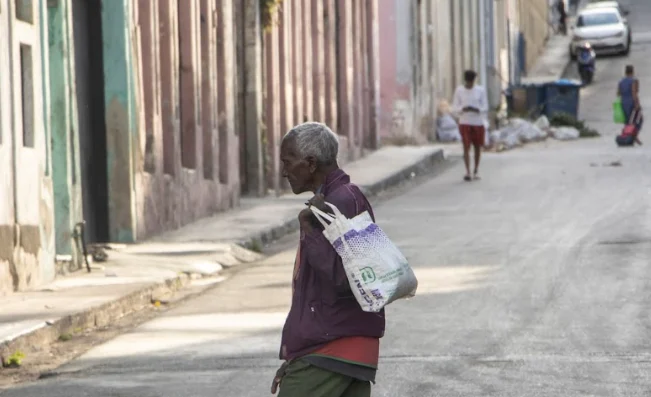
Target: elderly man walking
column 330, row 346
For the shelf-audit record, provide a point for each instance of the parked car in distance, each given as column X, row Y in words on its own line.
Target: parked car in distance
column 608, row 4
column 604, row 28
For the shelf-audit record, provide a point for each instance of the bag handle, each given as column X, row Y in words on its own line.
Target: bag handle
column 335, row 210
column 322, row 217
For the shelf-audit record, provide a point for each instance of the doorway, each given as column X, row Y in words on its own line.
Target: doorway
column 89, row 78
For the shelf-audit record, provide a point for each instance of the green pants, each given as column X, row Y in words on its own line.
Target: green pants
column 304, row 380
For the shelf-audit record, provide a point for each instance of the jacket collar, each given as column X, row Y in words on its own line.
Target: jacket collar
column 334, row 180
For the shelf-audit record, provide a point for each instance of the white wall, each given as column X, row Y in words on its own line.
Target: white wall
column 6, row 145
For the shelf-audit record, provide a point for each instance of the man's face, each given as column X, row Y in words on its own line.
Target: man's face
column 298, row 171
column 470, row 83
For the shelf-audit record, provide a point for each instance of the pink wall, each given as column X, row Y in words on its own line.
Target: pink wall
column 187, row 163
column 390, row 89
column 314, row 72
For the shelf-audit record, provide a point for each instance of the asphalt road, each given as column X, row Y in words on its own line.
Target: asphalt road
column 534, row 281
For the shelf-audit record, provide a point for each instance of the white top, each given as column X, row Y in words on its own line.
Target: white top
column 475, row 97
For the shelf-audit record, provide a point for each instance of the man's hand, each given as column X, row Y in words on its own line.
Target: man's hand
column 279, row 377
column 306, row 220
column 318, row 201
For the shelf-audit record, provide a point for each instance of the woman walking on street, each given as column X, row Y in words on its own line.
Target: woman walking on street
column 628, row 90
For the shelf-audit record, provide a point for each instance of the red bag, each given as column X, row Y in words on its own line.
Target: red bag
column 629, row 130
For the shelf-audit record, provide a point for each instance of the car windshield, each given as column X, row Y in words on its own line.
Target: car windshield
column 606, row 18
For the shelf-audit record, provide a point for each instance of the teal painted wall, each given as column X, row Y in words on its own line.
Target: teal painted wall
column 121, row 124
column 63, row 129
column 59, row 125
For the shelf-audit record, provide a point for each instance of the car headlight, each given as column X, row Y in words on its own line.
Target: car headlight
column 620, row 34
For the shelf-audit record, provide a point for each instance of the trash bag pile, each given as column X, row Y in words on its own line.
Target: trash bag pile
column 518, row 132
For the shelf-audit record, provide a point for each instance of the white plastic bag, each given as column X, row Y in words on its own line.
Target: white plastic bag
column 378, row 273
column 487, row 135
column 447, row 129
column 565, row 133
column 542, row 123
column 526, row 131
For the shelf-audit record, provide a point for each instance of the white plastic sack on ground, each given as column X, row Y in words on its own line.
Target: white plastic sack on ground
column 496, row 136
column 378, row 273
column 505, row 139
column 565, row 133
column 542, row 123
column 447, row 129
column 487, row 135
column 526, row 131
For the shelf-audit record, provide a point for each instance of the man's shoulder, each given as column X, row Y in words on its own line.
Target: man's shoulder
column 348, row 198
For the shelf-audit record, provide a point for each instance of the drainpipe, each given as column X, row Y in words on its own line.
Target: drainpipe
column 483, row 14
column 508, row 41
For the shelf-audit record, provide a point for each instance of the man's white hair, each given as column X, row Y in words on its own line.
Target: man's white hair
column 316, row 140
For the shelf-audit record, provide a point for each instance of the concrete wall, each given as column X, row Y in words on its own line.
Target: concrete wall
column 63, row 131
column 26, row 204
column 426, row 46
column 171, row 139
column 318, row 62
column 396, row 68
column 533, row 23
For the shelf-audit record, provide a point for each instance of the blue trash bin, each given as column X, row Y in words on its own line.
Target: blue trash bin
column 527, row 98
column 537, row 98
column 562, row 97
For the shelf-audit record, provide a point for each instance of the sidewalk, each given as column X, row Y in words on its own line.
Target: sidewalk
column 555, row 58
column 553, row 61
column 137, row 275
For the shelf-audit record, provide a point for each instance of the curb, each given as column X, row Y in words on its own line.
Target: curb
column 93, row 317
column 425, row 164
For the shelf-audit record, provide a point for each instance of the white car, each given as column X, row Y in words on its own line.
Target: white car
column 604, row 28
column 608, row 4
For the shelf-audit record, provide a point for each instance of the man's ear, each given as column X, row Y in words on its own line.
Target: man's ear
column 311, row 164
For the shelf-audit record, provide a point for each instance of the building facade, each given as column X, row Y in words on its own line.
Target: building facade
column 310, row 60
column 26, row 182
column 431, row 42
column 126, row 118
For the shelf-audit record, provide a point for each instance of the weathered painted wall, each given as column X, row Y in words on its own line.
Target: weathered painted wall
column 180, row 162
column 26, row 208
column 395, row 68
column 63, row 130
column 7, row 270
column 121, row 127
column 533, row 24
column 319, row 62
column 427, row 45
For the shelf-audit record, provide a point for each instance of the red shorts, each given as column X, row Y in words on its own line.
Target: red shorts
column 472, row 135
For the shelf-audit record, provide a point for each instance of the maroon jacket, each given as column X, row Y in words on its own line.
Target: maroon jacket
column 323, row 305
